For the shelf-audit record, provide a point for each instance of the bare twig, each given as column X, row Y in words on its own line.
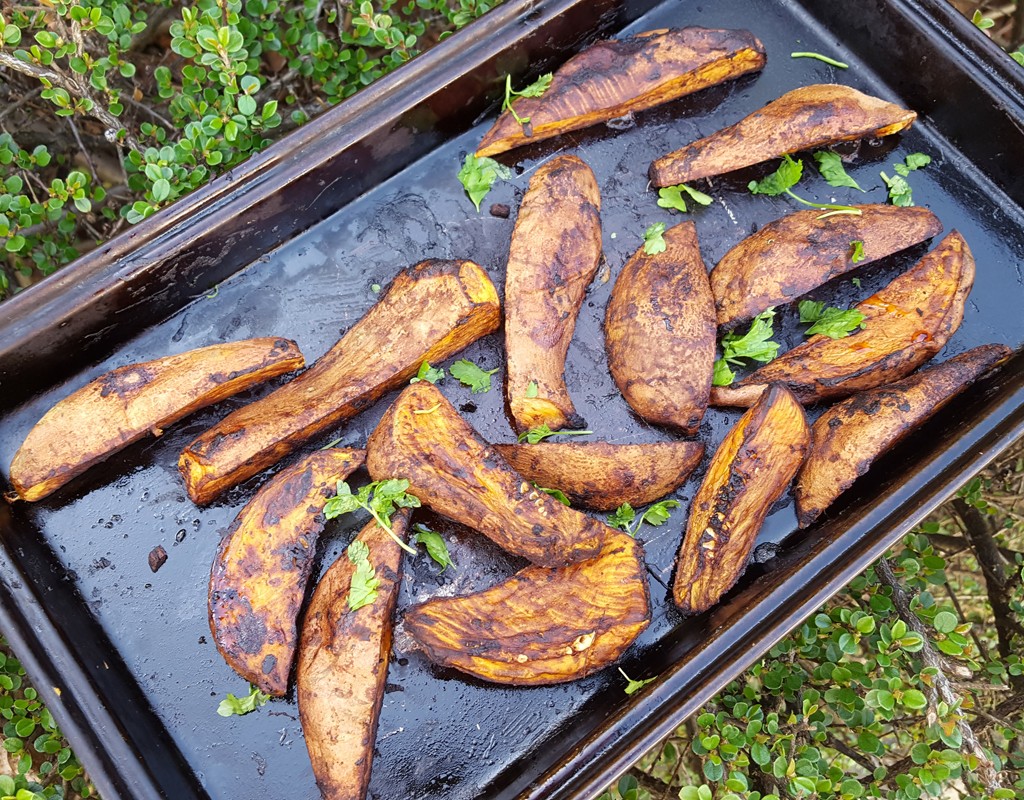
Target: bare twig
column 81, row 146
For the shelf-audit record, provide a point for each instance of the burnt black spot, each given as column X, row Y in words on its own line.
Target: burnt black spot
column 125, row 381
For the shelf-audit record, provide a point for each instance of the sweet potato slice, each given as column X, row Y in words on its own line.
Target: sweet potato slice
column 259, row 577
column 908, row 322
column 555, row 250
column 616, row 77
column 660, row 332
column 343, row 665
column 748, row 473
column 851, row 435
column 553, row 625
column 123, row 405
column 793, row 255
column 429, row 312
column 450, row 468
column 807, row 117
column 603, row 476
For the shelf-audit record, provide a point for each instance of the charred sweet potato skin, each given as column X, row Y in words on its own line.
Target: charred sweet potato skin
column 660, row 332
column 343, row 666
column 554, row 626
column 259, row 577
column 422, row 439
column 908, row 322
column 807, row 117
column 603, row 476
column 123, row 405
column 616, row 77
column 555, row 250
column 790, row 256
column 852, row 434
column 750, row 471
column 428, row 313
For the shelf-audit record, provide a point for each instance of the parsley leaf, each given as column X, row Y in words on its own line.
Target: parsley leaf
column 784, row 178
column 558, row 494
column 542, row 432
column 858, row 251
column 820, row 57
column 899, row 189
column 633, row 686
column 469, row 374
column 855, row 282
column 427, row 373
column 755, row 344
column 672, row 197
column 531, row 389
column 479, row 174
column 831, row 167
column 535, row 89
column 659, row 513
column 380, row 498
column 624, row 516
column 231, row 705
column 363, row 589
column 836, row 323
column 654, row 241
column 723, row 376
column 436, row 547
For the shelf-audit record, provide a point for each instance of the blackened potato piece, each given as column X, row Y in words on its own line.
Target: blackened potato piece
column 790, row 256
column 555, row 250
column 551, row 625
column 660, row 332
column 450, row 468
column 748, row 473
column 258, row 581
column 123, row 405
column 603, row 476
column 908, row 322
column 343, row 666
column 810, row 116
column 616, row 77
column 848, row 437
column 429, row 312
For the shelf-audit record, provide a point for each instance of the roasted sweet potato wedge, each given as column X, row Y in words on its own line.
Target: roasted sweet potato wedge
column 258, row 581
column 450, row 468
column 343, row 665
column 123, row 405
column 603, row 476
column 555, row 250
column 908, row 322
column 553, row 625
column 616, row 77
column 659, row 331
column 792, row 255
column 851, row 435
column 749, row 471
column 429, row 312
column 807, row 117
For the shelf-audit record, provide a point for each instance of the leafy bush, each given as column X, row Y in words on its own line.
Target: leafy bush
column 165, row 122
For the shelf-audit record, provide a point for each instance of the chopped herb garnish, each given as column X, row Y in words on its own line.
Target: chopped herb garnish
column 654, row 240
column 755, row 344
column 427, row 373
column 478, row 175
column 531, row 389
column 899, row 189
column 786, row 176
column 535, row 89
column 633, row 686
column 831, row 167
column 672, row 197
column 436, row 548
column 232, row 706
column 430, row 410
column 836, row 323
column 380, row 498
column 820, row 57
column 723, row 376
column 625, row 515
column 469, row 374
column 363, row 588
column 855, row 282
column 558, row 494
column 542, row 432
column 857, row 252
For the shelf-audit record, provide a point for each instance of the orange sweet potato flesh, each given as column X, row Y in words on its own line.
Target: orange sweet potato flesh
column 790, row 256
column 541, row 626
column 660, row 332
column 852, row 434
column 616, row 77
column 123, row 405
column 555, row 250
column 258, row 581
column 810, row 116
column 748, row 473
column 453, row 470
column 428, row 313
column 908, row 322
column 603, row 476
column 343, row 666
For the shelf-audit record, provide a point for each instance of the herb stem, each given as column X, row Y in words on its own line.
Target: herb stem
column 820, row 57
column 389, row 530
column 833, row 206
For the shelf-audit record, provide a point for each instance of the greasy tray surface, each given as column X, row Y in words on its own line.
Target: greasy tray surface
column 442, row 735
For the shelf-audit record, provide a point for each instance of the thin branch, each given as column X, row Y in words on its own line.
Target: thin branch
column 12, row 107
column 81, row 146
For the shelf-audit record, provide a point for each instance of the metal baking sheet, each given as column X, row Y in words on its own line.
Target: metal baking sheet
column 293, row 245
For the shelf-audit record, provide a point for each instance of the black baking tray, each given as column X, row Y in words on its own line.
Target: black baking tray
column 293, row 243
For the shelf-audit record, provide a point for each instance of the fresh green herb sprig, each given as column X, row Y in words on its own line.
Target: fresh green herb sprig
column 558, row 494
column 756, row 345
column 532, row 390
column 784, row 178
column 469, row 374
column 836, row 323
column 542, row 432
column 820, row 57
column 633, row 686
column 672, row 197
column 379, row 498
column 654, row 239
column 428, row 373
column 625, row 517
column 238, row 706
column 900, row 193
column 832, row 170
column 535, row 89
column 435, row 545
column 478, row 175
column 363, row 587
column 857, row 251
